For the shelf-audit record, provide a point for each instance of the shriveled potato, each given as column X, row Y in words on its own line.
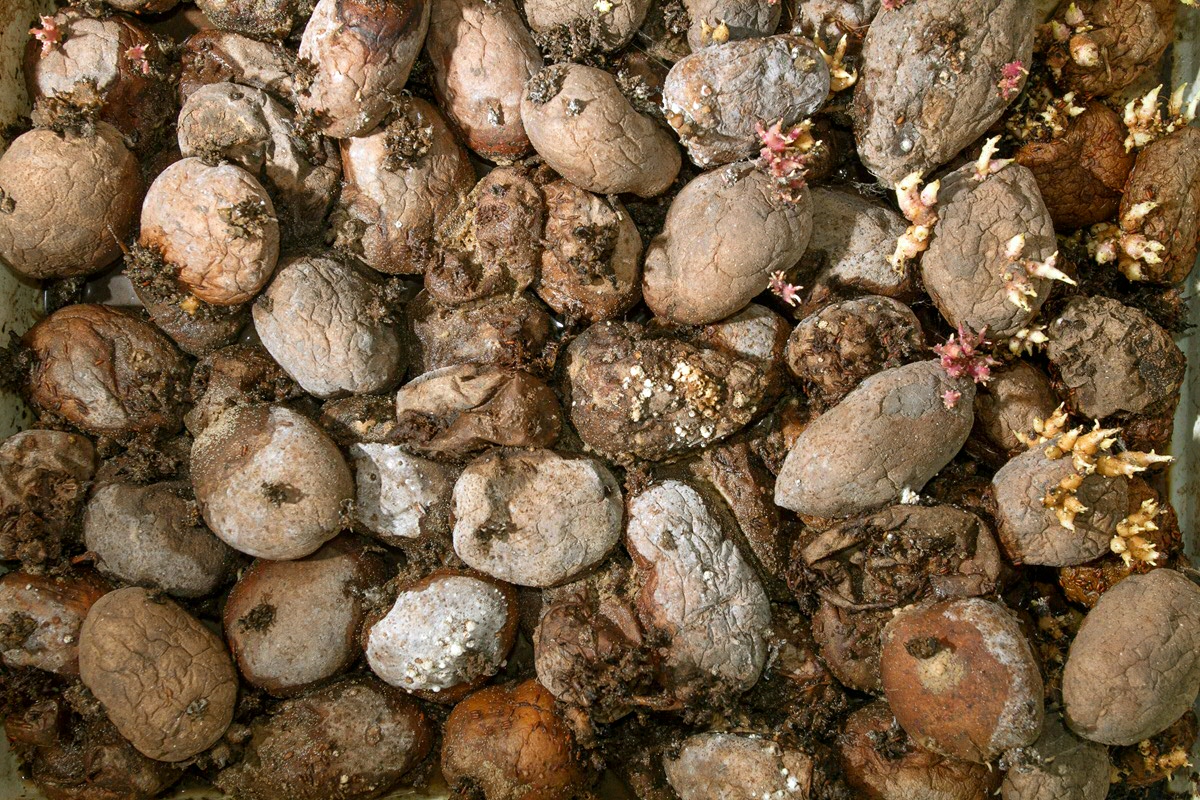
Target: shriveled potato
column 269, row 482
column 235, row 375
column 534, row 517
column 757, row 334
column 1017, row 395
column 362, row 51
column 324, row 322
column 40, row 618
column 402, row 183
column 106, row 371
column 581, row 124
column 725, row 766
column 355, row 739
column 1117, row 42
column 890, row 435
column 400, row 497
column 213, row 55
column 44, row 481
column 89, row 186
column 445, row 635
column 717, row 98
column 164, row 679
column 268, row 19
column 291, row 624
column 744, row 19
column 482, row 56
column 832, row 19
column 206, row 330
column 927, row 84
column 602, row 29
column 512, row 331
column 143, row 6
column 360, row 419
column 1133, row 667
column 961, row 678
column 725, row 233
column 151, row 536
column 1058, row 766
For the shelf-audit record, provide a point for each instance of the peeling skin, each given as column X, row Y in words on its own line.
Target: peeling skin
column 501, row 330
column 215, row 56
column 746, row 19
column 928, row 80
column 151, row 665
column 1167, row 172
column 728, row 766
column 1058, row 766
column 727, row 230
column 616, row 26
column 607, row 147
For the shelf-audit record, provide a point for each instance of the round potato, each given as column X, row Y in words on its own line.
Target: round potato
column 727, row 766
column 1058, row 766
column 400, row 497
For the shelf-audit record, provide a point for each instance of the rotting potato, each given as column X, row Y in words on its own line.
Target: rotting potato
column 164, row 679
column 750, row 19
column 719, row 98
column 40, row 618
column 44, row 480
column 152, row 536
column 757, row 334
column 535, row 518
column 361, row 52
column 89, row 186
column 602, row 28
column 1116, row 43
column 360, row 419
column 724, row 235
column 725, row 766
column 830, row 20
column 927, row 86
column 235, row 375
column 663, row 34
column 445, row 635
column 400, row 497
column 482, row 55
column 355, row 740
column 106, row 371
column 215, row 56
column 1159, row 758
column 505, row 330
column 890, row 435
column 581, row 124
column 961, row 678
column 969, row 270
column 206, row 330
column 402, row 183
column 1133, row 668
column 269, row 482
column 266, row 19
column 291, row 624
column 143, row 6
column 1058, row 766
column 1017, row 395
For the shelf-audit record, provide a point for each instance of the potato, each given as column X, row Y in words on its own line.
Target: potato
column 354, row 739
column 535, row 518
column 718, row 98
column 696, row 592
column 292, row 624
column 509, row 742
column 726, row 230
column 143, row 6
column 1167, row 173
column 401, row 497
column 1133, row 667
column 745, row 20
column 213, row 55
column 591, row 265
column 1017, row 395
column 269, row 482
column 235, row 375
column 206, row 330
column 581, row 124
column 445, row 635
column 1112, row 358
column 105, row 371
column 361, row 52
column 44, row 481
column 1058, row 766
column 966, row 269
column 600, row 30
column 360, row 419
column 40, row 618
column 482, row 55
column 724, row 766
column 151, row 536
column 927, row 83
column 961, row 678
column 1119, row 41
column 89, row 185
column 832, row 19
column 268, row 19
column 504, row 330
column 402, row 183
column 164, row 679
column 890, row 435
column 757, row 334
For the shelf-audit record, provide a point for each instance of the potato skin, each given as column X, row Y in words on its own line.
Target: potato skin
column 215, row 56
column 1130, row 35
column 1058, row 766
column 270, row 19
column 1017, row 394
column 581, row 124
column 725, row 766
column 607, row 31
column 1133, row 668
column 505, row 330
column 88, row 186
column 1168, row 173
column 165, row 680
column 40, row 617
column 45, row 477
column 725, row 233
column 400, row 498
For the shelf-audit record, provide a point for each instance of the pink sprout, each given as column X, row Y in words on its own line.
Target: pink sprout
column 963, row 357
column 49, row 34
column 137, row 54
column 785, row 160
column 892, row 5
column 950, row 398
column 1010, row 79
column 787, row 292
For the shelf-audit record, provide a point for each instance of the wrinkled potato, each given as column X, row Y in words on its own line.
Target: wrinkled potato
column 269, row 482
column 89, row 186
column 1058, row 766
column 725, row 233
column 511, row 331
column 757, row 334
column 581, row 124
column 164, row 679
column 198, row 334
column 602, row 30
column 267, row 19
column 40, row 618
column 725, row 766
column 235, row 375
column 400, row 497
column 216, row 56
column 44, row 480
column 360, row 419
column 832, row 19
column 1017, row 395
column 744, row 19
column 1167, row 173
column 1123, row 39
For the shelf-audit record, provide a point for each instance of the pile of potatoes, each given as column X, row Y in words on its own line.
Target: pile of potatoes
column 552, row 399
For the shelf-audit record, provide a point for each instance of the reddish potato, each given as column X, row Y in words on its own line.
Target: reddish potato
column 217, row 56
column 40, row 618
column 44, row 480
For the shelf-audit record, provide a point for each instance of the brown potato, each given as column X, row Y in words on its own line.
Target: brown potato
column 505, row 330
column 725, row 766
column 44, row 481
column 235, row 375
column 215, row 56
column 400, row 497
column 601, row 30
column 832, row 19
column 40, row 618
column 1017, row 395
column 267, row 19
column 745, row 19
column 1126, row 38
column 1058, row 766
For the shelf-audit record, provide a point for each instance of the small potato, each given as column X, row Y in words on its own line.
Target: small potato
column 267, row 19
column 40, row 618
column 151, row 536
column 1133, row 668
column 361, row 52
column 830, row 20
column 215, row 56
column 600, row 30
column 581, row 124
column 353, row 740
column 1017, row 395
column 235, row 375
column 106, row 371
column 401, row 497
column 322, row 321
column 717, row 97
column 1058, row 766
column 482, row 56
column 291, row 624
column 269, row 482
column 402, row 183
column 510, row 743
column 198, row 334
column 1118, row 42
column 728, row 766
column 89, row 186
column 143, row 6
column 744, row 19
column 44, row 481
column 891, row 434
column 535, row 518
column 504, row 330
column 444, row 636
column 961, row 678
column 164, row 679
column 725, row 233
column 360, row 419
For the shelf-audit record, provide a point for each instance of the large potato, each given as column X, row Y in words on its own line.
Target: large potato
column 1167, row 173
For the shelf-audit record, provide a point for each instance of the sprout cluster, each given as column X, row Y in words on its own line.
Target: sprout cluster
column 785, row 155
column 1125, row 244
column 919, row 206
column 1017, row 272
column 964, row 357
